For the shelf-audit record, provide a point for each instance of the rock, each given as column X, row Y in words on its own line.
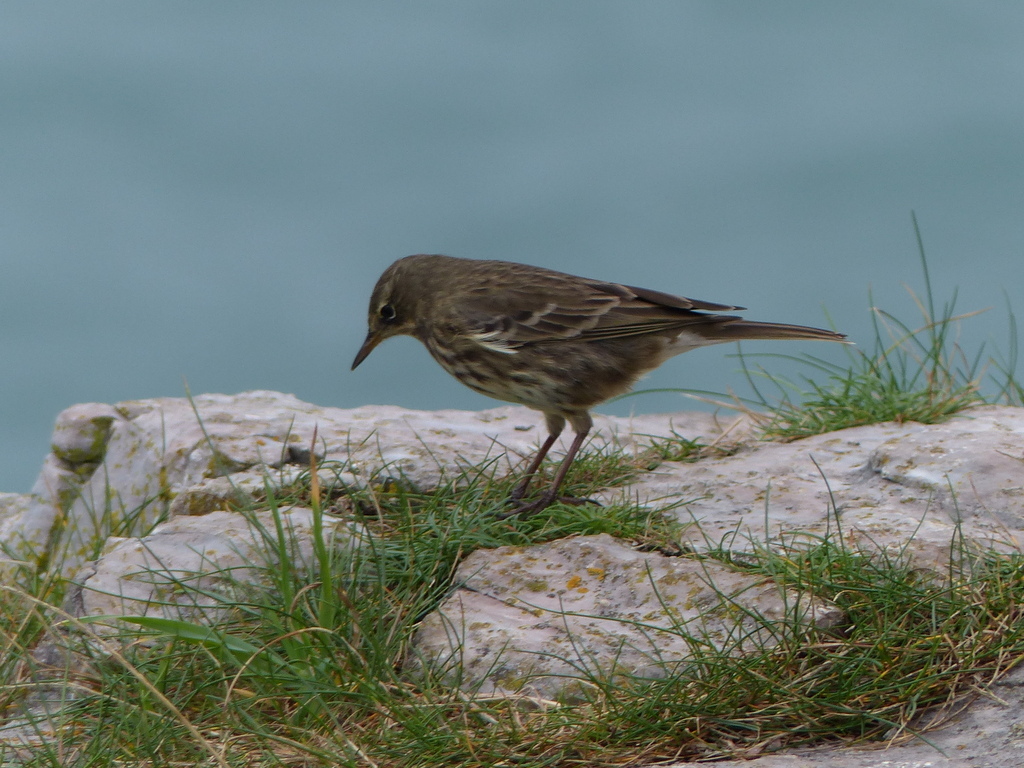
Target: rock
column 13, row 506
column 538, row 620
column 81, row 432
column 243, row 489
column 898, row 486
column 154, row 451
column 971, row 468
column 882, row 485
column 115, row 472
column 17, row 510
column 190, row 568
column 28, row 520
column 216, row 493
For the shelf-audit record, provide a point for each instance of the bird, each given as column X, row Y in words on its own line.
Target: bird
column 554, row 342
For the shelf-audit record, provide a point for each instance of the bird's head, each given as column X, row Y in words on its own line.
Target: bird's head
column 393, row 305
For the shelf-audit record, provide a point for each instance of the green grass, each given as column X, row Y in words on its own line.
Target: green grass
column 910, row 372
column 306, row 669
column 907, row 371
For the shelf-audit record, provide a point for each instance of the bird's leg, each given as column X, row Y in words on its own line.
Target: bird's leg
column 555, row 424
column 563, row 469
column 551, row 494
column 520, row 490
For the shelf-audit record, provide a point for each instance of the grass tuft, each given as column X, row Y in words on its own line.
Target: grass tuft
column 911, row 373
column 307, row 670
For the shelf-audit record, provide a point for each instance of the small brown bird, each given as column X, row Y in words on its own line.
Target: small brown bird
column 554, row 342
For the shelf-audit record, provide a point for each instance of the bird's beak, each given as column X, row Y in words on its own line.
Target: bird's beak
column 372, row 340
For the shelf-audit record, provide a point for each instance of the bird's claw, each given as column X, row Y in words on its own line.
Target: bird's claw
column 529, row 509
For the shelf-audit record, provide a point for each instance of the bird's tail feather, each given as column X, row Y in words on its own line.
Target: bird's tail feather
column 749, row 329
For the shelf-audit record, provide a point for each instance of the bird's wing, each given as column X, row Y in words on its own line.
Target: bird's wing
column 582, row 310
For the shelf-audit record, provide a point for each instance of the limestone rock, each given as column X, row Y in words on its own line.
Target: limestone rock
column 154, row 451
column 216, row 493
column 573, row 607
column 17, row 510
column 885, row 485
column 540, row 620
column 243, row 489
column 191, row 567
column 119, row 469
column 81, row 432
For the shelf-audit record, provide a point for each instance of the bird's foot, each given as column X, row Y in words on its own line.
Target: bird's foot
column 529, row 509
column 577, row 501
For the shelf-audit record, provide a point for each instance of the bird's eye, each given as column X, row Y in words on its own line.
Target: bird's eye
column 387, row 313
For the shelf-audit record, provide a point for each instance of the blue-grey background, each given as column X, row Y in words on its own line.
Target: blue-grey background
column 207, row 191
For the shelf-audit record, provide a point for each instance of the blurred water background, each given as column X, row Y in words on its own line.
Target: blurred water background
column 208, row 191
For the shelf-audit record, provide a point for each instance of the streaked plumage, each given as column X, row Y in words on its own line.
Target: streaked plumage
column 555, row 342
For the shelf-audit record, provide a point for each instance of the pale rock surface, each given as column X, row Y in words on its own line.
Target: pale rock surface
column 904, row 487
column 886, row 485
column 245, row 488
column 81, row 432
column 136, row 458
column 539, row 620
column 190, row 567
